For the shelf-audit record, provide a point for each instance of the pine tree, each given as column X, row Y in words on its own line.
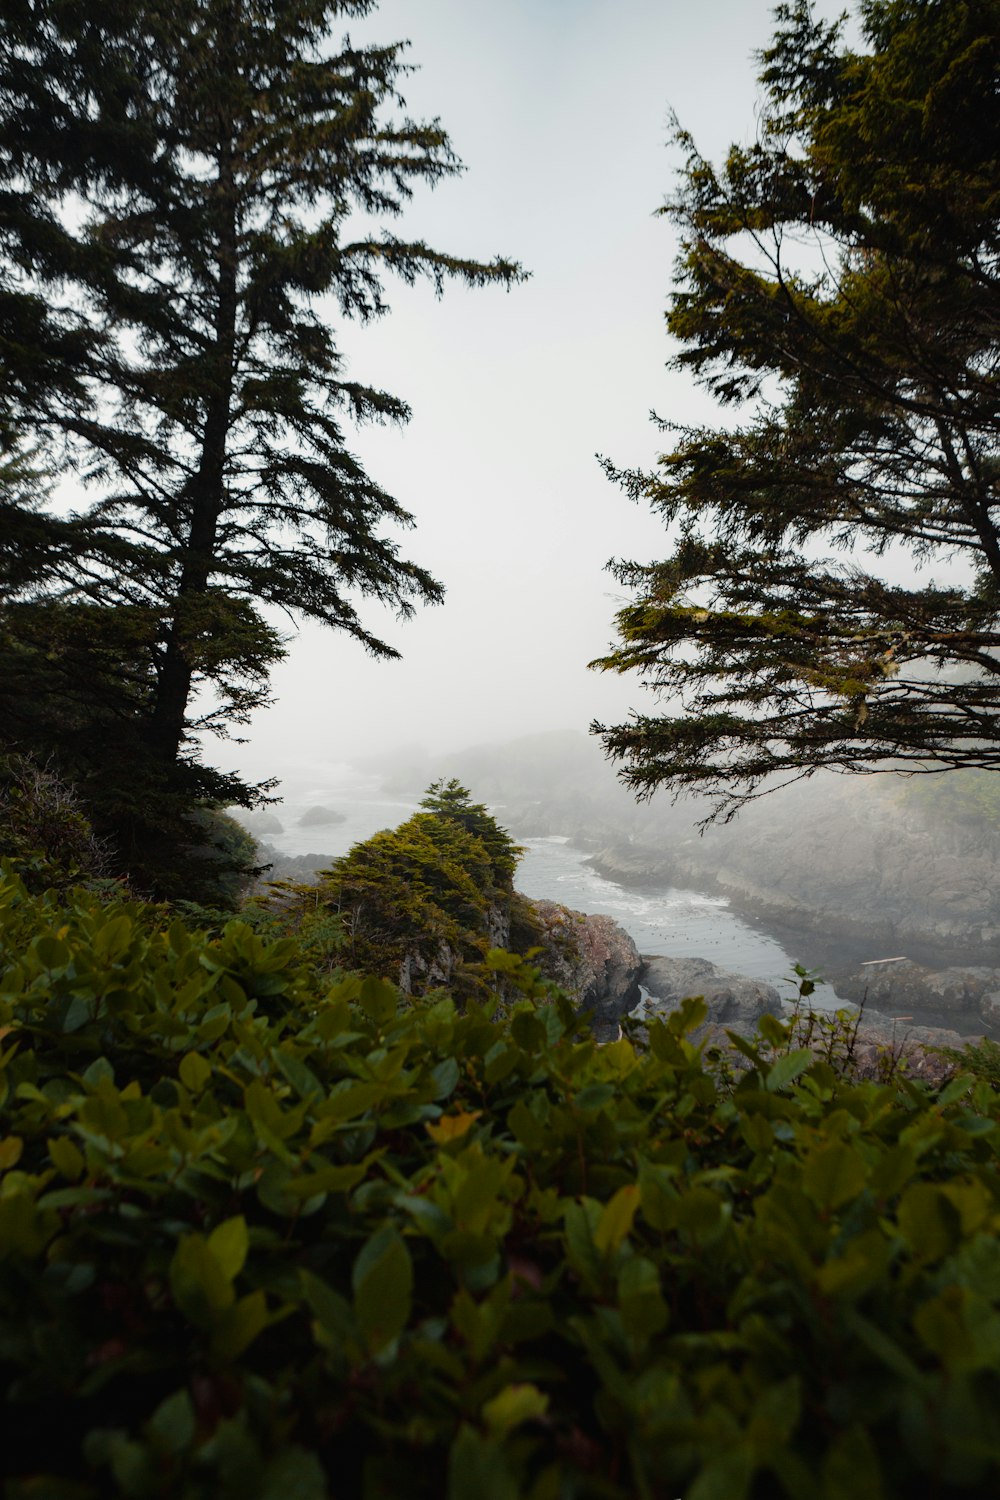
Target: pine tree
column 453, row 802
column 839, row 290
column 186, row 188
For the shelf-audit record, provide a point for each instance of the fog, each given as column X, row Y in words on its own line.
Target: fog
column 559, row 111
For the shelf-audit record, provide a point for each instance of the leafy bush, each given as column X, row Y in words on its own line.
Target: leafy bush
column 424, row 901
column 267, row 1234
column 43, row 827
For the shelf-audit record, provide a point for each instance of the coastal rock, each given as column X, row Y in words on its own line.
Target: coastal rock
column 320, row 817
column 867, row 1043
column 837, row 858
column 734, row 1001
column 592, row 959
column 300, row 869
column 970, row 994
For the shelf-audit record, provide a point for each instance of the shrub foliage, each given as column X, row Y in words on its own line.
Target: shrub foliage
column 267, row 1232
column 423, row 902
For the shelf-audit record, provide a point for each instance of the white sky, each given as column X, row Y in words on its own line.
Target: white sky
column 559, row 110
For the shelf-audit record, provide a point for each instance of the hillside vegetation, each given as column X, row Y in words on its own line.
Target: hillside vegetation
column 270, row 1228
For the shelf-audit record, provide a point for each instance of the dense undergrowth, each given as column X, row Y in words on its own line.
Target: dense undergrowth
column 272, row 1232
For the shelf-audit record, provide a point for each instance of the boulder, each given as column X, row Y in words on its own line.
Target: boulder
column 592, row 959
column 734, row 1001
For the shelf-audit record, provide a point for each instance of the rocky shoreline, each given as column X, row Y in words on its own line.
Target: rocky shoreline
column 872, row 1039
column 853, row 868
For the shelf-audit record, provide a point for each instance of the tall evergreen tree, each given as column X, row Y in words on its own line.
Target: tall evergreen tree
column 839, row 289
column 187, row 189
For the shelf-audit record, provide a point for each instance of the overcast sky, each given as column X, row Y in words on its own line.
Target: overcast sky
column 559, row 110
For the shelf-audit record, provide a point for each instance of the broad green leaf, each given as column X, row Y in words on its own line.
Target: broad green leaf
column 194, row 1072
column 787, row 1068
column 581, row 1221
column 379, row 1000
column 892, row 1171
column 325, row 1180
column 927, row 1220
column 774, row 1031
column 11, row 1149
column 640, row 1299
column 616, row 1219
column 956, row 1089
column 513, row 1405
column 201, row 1288
column 240, row 1325
column 833, row 1175
column 293, row 1474
column 334, row 1324
column 851, row 1469
column 883, row 1347
column 52, row 953
column 445, row 1078
column 22, row 1229
column 229, row 1243
column 525, row 1126
column 172, row 1424
column 689, row 1015
column 756, row 1130
column 66, row 1156
column 943, row 1328
column 382, row 1282
column 303, row 1079
column 452, row 1127
column 726, row 1476
column 478, row 1469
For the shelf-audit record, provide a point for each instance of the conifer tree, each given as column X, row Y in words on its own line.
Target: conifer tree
column 839, row 291
column 453, row 802
column 190, row 192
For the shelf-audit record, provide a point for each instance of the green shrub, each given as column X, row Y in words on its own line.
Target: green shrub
column 268, row 1234
column 43, row 828
column 424, row 900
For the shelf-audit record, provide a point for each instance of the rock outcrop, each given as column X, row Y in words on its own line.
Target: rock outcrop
column 592, row 959
column 301, row 869
column 841, row 857
column 967, row 997
column 733, row 1000
column 320, row 817
column 876, row 1044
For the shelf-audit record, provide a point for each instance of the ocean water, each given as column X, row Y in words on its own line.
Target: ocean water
column 669, row 921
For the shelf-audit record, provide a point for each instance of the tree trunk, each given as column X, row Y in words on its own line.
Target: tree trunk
column 208, row 489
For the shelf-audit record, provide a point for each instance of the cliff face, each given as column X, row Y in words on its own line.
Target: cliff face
column 592, row 959
column 852, row 860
